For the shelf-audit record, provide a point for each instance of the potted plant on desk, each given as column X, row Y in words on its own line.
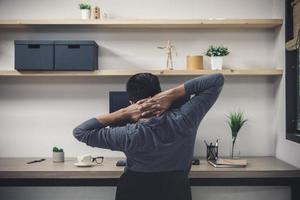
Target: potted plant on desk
column 216, row 54
column 85, row 10
column 235, row 121
column 58, row 155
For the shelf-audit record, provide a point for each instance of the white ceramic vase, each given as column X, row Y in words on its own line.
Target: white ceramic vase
column 58, row 157
column 216, row 62
column 85, row 13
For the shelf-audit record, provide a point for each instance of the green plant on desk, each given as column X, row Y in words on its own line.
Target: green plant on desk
column 235, row 121
column 56, row 149
column 58, row 154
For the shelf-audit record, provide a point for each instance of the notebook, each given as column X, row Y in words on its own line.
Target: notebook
column 225, row 163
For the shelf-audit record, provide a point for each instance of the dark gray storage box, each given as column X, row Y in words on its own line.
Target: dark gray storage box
column 76, row 55
column 34, row 55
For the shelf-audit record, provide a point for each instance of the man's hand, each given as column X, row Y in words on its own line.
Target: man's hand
column 147, row 106
column 163, row 100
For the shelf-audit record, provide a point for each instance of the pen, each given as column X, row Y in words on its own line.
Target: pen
column 35, row 161
column 206, row 143
column 216, row 152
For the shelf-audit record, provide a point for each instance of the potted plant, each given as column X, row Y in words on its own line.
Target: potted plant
column 235, row 121
column 85, row 10
column 216, row 54
column 58, row 155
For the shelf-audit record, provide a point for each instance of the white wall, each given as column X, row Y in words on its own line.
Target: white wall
column 49, row 108
column 37, row 113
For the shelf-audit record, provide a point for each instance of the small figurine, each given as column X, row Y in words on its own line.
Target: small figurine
column 170, row 49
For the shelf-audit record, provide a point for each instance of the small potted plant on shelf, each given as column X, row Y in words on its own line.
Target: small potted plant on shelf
column 58, row 155
column 216, row 54
column 235, row 121
column 85, row 10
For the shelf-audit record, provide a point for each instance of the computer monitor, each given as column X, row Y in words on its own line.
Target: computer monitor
column 118, row 100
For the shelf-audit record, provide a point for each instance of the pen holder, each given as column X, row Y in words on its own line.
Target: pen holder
column 212, row 152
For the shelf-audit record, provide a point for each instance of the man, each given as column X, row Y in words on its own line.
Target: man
column 159, row 145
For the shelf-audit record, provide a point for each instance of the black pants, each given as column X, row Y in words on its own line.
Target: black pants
column 172, row 185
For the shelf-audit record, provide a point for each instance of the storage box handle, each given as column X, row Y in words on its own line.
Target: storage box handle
column 34, row 46
column 74, row 46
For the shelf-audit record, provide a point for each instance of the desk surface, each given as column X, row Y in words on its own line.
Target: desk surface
column 258, row 167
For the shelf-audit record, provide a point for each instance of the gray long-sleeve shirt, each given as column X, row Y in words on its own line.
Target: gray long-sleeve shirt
column 164, row 143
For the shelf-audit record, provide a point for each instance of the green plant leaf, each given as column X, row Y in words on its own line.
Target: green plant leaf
column 217, row 51
column 56, row 149
column 235, row 121
column 84, row 6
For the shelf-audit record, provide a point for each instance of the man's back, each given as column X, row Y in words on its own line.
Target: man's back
column 164, row 143
column 159, row 150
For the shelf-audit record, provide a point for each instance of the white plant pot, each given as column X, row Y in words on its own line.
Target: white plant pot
column 216, row 62
column 58, row 157
column 85, row 13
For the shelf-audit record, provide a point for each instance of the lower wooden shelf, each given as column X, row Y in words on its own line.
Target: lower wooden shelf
column 116, row 73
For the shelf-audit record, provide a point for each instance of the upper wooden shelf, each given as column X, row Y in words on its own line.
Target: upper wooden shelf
column 117, row 73
column 192, row 23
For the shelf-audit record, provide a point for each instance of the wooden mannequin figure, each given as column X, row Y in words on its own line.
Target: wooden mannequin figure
column 170, row 49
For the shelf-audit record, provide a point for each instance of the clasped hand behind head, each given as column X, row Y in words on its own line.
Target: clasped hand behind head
column 152, row 106
column 144, row 108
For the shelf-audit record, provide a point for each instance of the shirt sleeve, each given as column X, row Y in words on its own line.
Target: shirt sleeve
column 206, row 90
column 94, row 134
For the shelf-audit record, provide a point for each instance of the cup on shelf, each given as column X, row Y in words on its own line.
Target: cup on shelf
column 194, row 62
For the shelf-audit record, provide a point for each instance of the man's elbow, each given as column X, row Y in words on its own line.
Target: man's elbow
column 77, row 133
column 220, row 79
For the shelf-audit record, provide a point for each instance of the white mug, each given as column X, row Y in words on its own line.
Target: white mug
column 86, row 159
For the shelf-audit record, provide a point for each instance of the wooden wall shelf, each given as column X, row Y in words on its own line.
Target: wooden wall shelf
column 163, row 24
column 117, row 73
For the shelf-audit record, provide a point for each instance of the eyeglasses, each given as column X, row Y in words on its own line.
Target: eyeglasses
column 98, row 160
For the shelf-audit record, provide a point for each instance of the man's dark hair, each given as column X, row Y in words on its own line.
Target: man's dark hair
column 142, row 85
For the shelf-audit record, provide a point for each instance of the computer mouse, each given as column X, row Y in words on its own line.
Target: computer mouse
column 121, row 163
column 195, row 161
